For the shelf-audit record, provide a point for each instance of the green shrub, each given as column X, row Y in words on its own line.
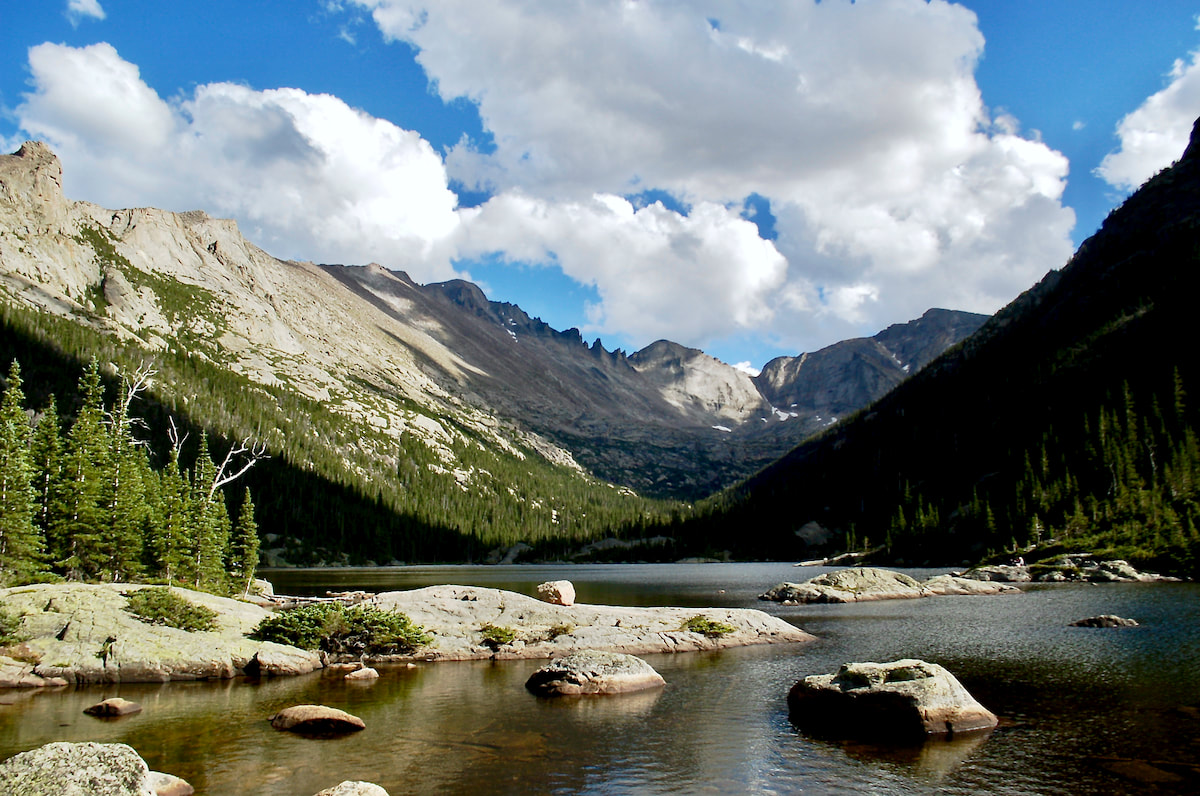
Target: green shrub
column 496, row 636
column 343, row 630
column 708, row 627
column 559, row 630
column 10, row 627
column 158, row 605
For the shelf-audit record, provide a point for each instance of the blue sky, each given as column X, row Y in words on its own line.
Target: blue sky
column 750, row 179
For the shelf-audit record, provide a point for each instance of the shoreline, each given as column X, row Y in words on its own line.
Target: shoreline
column 81, row 634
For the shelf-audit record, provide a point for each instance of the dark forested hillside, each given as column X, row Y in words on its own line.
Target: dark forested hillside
column 1072, row 415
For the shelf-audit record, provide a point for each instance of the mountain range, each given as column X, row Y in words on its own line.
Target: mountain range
column 397, row 363
column 1067, row 421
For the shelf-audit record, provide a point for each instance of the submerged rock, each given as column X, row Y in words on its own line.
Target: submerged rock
column 349, row 788
column 113, row 707
column 168, row 785
column 902, row 701
column 363, row 674
column 316, row 720
column 593, row 672
column 1105, row 620
column 76, row 769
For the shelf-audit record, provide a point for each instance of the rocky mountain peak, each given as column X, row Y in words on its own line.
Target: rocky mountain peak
column 31, row 178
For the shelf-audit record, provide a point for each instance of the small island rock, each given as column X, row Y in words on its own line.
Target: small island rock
column 363, row 674
column 847, row 586
column 1105, row 620
column 113, row 707
column 593, row 672
column 557, row 592
column 902, row 701
column 76, row 769
column 349, row 788
column 316, row 720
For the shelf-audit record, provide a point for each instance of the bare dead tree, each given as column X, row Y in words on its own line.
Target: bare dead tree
column 252, row 453
column 176, row 440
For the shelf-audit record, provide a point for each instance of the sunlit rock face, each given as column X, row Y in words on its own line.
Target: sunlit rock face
column 590, row 672
column 901, row 701
column 428, row 361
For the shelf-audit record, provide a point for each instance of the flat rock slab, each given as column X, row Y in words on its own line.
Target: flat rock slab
column 316, row 720
column 76, row 769
column 594, row 672
column 901, row 701
column 864, row 584
column 113, row 707
column 81, row 633
column 456, row 614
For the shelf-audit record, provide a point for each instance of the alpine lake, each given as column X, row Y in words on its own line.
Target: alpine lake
column 1083, row 711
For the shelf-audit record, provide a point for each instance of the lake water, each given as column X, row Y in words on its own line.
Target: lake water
column 1083, row 711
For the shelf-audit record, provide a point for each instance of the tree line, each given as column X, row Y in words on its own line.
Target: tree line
column 336, row 488
column 85, row 501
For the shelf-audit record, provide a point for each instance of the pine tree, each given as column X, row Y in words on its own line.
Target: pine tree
column 243, row 553
column 123, row 538
column 79, row 514
column 210, row 523
column 46, row 453
column 22, row 548
column 166, row 542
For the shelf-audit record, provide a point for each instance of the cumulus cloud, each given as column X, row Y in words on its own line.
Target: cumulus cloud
column 659, row 274
column 306, row 175
column 1153, row 136
column 79, row 9
column 861, row 124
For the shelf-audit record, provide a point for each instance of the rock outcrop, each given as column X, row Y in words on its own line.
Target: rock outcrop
column 1066, row 568
column 81, row 633
column 316, row 720
column 76, row 769
column 863, row 584
column 455, row 615
column 902, row 701
column 593, row 672
column 86, row 769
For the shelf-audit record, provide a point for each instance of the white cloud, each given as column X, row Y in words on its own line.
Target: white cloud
column 306, row 175
column 747, row 368
column 659, row 273
column 1155, row 135
column 892, row 187
column 79, row 9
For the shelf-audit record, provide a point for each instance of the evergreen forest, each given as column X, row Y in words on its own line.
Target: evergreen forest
column 324, row 491
column 84, row 503
column 1067, row 423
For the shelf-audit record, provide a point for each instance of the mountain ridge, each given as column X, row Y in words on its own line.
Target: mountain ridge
column 387, row 364
column 1066, row 416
